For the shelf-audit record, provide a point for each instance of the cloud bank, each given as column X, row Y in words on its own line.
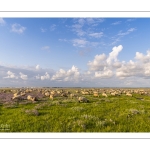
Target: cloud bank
column 103, row 70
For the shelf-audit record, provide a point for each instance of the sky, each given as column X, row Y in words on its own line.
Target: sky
column 75, row 52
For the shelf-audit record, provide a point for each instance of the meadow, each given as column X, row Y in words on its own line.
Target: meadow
column 114, row 113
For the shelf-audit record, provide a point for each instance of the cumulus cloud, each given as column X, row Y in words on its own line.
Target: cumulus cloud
column 23, row 76
column 129, row 69
column 2, row 22
column 101, row 61
column 70, row 75
column 37, row 67
column 11, row 75
column 38, row 77
column 107, row 66
column 105, row 73
column 141, row 57
column 113, row 55
column 139, row 67
column 104, row 66
column 45, row 77
column 98, row 63
column 17, row 28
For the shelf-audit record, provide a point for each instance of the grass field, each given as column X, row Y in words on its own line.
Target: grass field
column 100, row 114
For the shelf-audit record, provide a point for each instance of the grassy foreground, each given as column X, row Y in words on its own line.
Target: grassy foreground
column 112, row 114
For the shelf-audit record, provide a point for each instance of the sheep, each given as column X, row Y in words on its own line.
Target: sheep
column 128, row 94
column 64, row 95
column 29, row 97
column 113, row 94
column 77, row 91
column 51, row 96
column 104, row 94
column 73, row 95
column 96, row 94
column 15, row 94
column 83, row 99
column 47, row 94
column 17, row 97
column 85, row 92
column 22, row 94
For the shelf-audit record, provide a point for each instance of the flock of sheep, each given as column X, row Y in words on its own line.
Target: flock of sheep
column 79, row 94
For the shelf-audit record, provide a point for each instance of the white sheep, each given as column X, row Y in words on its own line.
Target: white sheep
column 104, row 94
column 128, row 94
column 83, row 99
column 29, row 97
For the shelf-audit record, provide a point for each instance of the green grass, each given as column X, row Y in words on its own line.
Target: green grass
column 112, row 114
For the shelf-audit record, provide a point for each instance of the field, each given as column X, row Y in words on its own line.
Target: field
column 128, row 110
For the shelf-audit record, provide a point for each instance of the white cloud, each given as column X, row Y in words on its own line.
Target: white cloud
column 77, row 28
column 46, row 76
column 106, row 73
column 104, row 70
column 138, row 68
column 98, row 63
column 81, row 21
column 79, row 42
column 131, row 20
column 115, row 40
column 105, row 66
column 113, row 55
column 17, row 28
column 23, row 76
column 96, row 35
column 11, row 75
column 70, row 75
column 116, row 23
column 2, row 22
column 101, row 61
column 37, row 67
column 141, row 57
column 94, row 21
column 127, row 32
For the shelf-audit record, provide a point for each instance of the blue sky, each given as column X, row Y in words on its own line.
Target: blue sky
column 86, row 52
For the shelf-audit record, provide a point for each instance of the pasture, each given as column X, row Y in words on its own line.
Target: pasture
column 59, row 110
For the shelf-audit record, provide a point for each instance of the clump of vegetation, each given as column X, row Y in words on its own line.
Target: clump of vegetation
column 10, row 104
column 77, row 108
column 33, row 112
column 105, row 122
